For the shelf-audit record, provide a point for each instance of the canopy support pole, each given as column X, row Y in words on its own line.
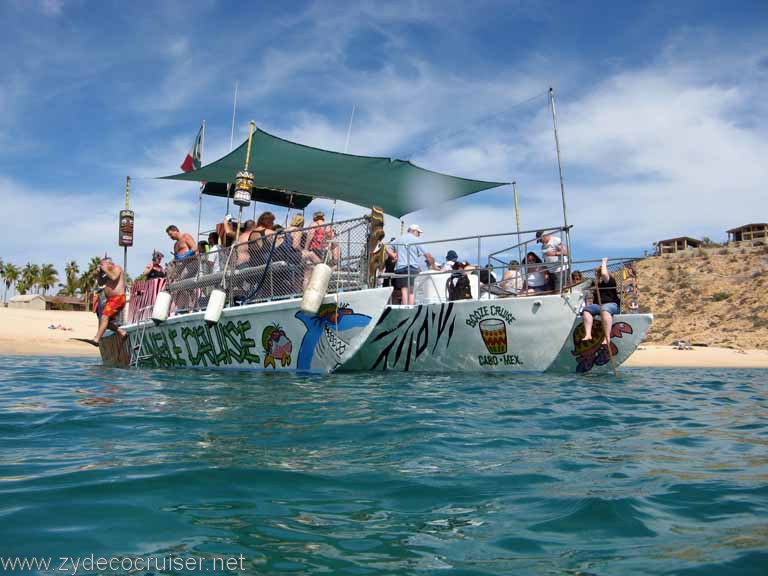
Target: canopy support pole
column 125, row 248
column 517, row 220
column 232, row 137
column 560, row 170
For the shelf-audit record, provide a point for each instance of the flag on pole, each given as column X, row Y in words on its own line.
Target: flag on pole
column 193, row 161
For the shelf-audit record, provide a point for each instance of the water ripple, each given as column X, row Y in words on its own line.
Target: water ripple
column 656, row 472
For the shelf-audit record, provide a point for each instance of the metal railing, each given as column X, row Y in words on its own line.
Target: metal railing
column 273, row 265
column 623, row 271
column 497, row 270
column 500, row 265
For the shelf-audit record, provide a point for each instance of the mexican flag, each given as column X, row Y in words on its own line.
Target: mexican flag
column 193, row 161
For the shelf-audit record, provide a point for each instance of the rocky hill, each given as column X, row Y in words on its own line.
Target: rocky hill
column 716, row 296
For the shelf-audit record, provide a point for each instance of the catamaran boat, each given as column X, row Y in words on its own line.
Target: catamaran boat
column 274, row 304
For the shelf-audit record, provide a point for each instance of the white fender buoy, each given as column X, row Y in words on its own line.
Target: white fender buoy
column 316, row 289
column 161, row 308
column 215, row 306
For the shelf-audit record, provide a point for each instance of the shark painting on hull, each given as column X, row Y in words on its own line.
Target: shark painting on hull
column 329, row 335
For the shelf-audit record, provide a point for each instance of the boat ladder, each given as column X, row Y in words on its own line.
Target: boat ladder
column 141, row 328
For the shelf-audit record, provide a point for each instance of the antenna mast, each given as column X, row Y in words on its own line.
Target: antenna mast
column 566, row 230
column 557, row 149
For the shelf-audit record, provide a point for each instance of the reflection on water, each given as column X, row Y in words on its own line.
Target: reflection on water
column 658, row 471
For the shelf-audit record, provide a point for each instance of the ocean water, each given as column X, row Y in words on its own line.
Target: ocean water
column 655, row 472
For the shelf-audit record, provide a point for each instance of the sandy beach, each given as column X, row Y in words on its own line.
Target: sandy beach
column 26, row 332
column 704, row 357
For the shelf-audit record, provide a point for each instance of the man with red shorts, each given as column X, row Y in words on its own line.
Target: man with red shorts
column 114, row 289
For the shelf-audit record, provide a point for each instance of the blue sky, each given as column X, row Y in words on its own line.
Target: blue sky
column 663, row 120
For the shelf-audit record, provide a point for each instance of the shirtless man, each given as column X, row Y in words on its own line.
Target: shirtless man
column 114, row 289
column 185, row 246
column 185, row 265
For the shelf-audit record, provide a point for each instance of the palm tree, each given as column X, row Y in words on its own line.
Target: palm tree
column 88, row 279
column 48, row 277
column 71, row 270
column 10, row 276
column 30, row 276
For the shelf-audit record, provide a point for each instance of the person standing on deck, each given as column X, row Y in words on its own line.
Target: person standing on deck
column 553, row 250
column 184, row 245
column 114, row 289
column 154, row 269
column 408, row 262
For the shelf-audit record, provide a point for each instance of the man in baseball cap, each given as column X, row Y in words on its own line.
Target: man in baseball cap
column 409, row 257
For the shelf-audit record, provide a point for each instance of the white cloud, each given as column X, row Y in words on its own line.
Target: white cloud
column 664, row 152
column 51, row 7
column 673, row 147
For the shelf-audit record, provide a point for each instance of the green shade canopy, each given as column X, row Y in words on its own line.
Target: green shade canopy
column 396, row 186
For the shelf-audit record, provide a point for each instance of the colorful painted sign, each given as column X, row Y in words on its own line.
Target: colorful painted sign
column 223, row 344
column 593, row 352
column 492, row 320
column 276, row 346
column 494, row 333
column 125, row 237
column 328, row 335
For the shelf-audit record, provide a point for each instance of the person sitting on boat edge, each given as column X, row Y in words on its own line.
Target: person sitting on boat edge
column 554, row 251
column 609, row 302
column 114, row 289
column 409, row 258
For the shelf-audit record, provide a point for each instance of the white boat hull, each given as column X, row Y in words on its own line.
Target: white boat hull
column 502, row 335
column 266, row 336
column 627, row 333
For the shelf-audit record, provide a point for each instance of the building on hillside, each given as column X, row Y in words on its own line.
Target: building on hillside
column 673, row 245
column 27, row 302
column 749, row 234
column 74, row 303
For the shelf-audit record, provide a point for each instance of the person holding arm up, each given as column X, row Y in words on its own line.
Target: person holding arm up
column 606, row 303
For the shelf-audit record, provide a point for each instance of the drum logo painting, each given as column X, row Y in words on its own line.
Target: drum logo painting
column 494, row 333
column 492, row 321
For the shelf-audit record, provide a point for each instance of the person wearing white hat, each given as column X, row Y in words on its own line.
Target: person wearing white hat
column 409, row 258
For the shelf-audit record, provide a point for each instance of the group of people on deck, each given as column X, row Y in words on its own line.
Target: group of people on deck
column 261, row 241
column 257, row 243
column 255, row 240
column 405, row 256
